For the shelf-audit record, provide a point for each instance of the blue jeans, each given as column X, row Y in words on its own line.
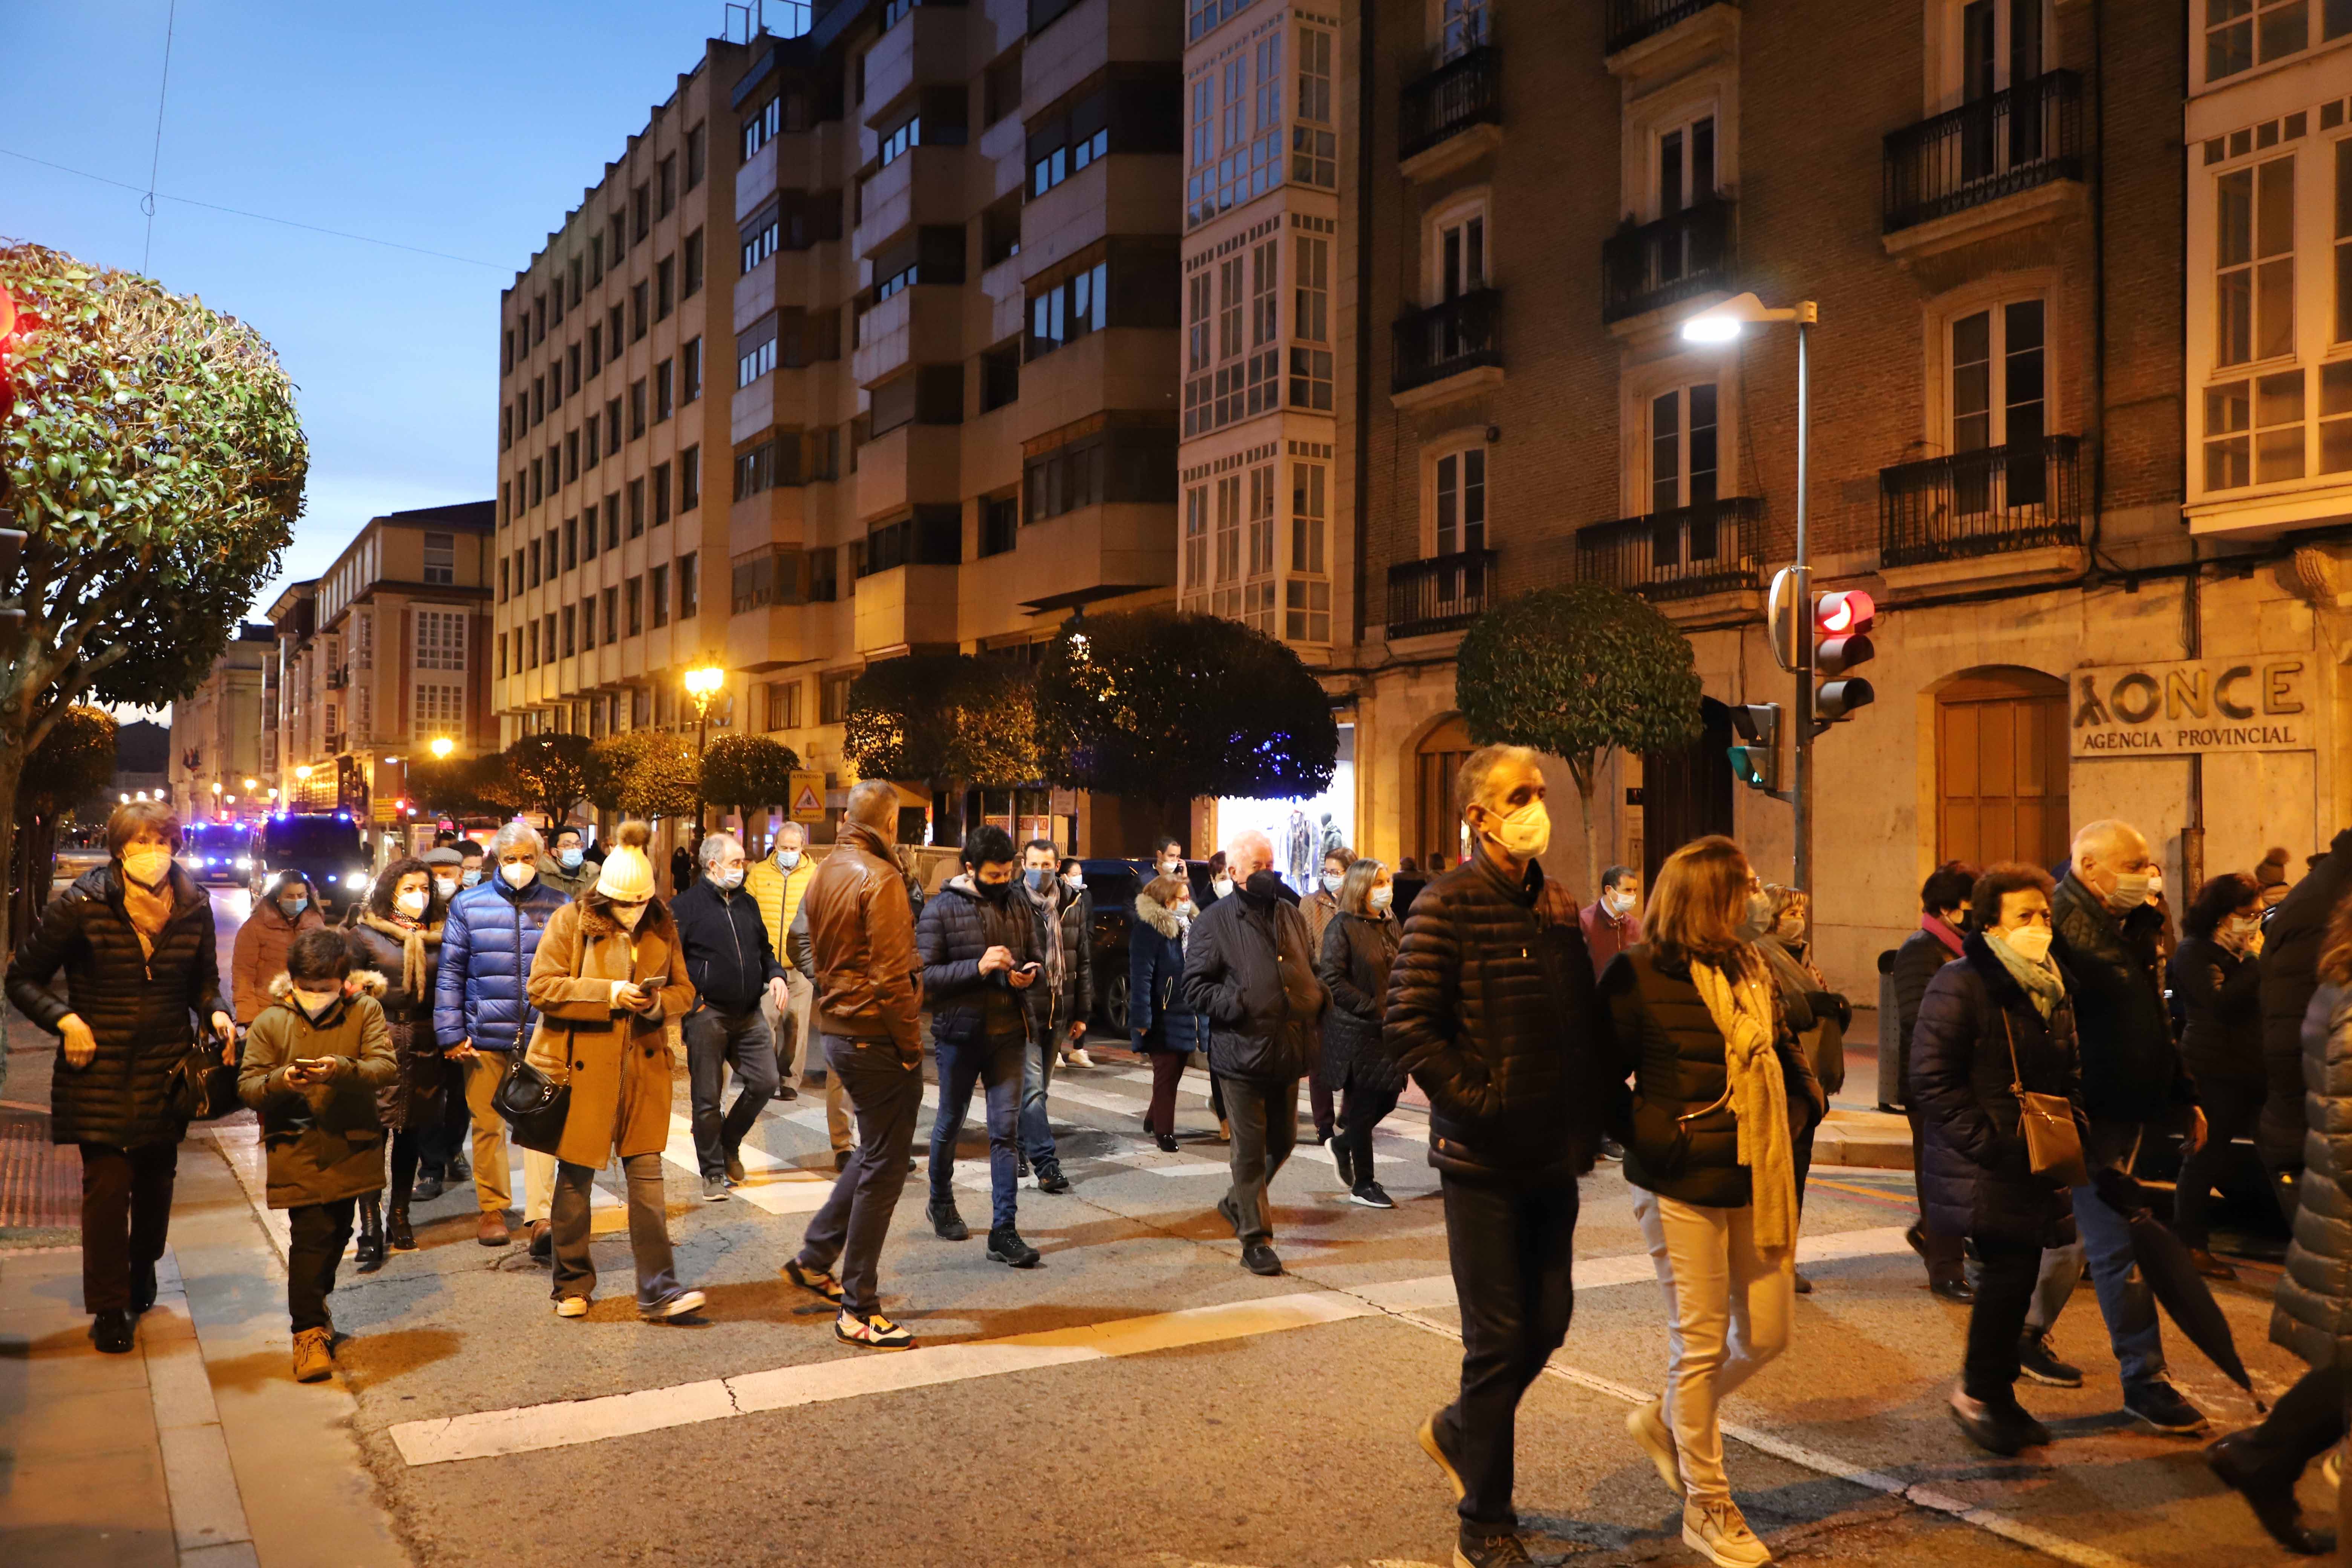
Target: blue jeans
column 2105, row 1245
column 1036, row 1077
column 998, row 1065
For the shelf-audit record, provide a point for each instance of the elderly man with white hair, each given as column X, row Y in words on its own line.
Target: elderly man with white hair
column 734, row 968
column 481, row 1015
column 2134, row 1085
column 1249, row 969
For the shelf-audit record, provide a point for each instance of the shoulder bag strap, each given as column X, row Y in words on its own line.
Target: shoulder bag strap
column 2016, row 1074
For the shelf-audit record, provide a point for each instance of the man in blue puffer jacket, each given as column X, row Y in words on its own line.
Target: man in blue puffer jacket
column 480, row 1015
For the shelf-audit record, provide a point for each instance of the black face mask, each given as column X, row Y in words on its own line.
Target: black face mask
column 1262, row 889
column 994, row 892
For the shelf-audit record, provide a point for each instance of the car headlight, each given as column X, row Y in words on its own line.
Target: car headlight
column 244, row 863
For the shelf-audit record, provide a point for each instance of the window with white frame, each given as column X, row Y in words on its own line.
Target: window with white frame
column 1196, row 546
column 440, row 639
column 1315, row 140
column 438, row 710
column 1236, row 131
column 1226, row 596
column 1310, row 324
column 1306, row 591
column 1683, row 456
column 1458, row 252
column 441, row 557
column 1257, row 587
column 2241, row 34
column 1999, row 45
column 1458, row 501
column 1463, row 26
column 1999, row 376
column 1246, row 314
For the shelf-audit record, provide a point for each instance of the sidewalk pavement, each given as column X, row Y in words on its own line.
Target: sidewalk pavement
column 198, row 1449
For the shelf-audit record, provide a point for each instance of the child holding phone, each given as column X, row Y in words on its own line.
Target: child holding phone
column 314, row 1061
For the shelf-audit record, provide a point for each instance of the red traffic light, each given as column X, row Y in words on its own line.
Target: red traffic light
column 1843, row 612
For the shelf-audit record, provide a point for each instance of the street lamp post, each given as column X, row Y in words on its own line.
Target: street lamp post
column 702, row 683
column 1724, row 324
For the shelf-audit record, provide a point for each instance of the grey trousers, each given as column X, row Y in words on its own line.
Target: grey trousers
column 1266, row 1128
column 648, row 1231
column 855, row 1217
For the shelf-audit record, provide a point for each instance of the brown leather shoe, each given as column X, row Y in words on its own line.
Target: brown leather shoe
column 493, row 1231
column 2209, row 1266
column 542, row 1239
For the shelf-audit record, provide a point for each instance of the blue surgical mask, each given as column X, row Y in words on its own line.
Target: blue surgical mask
column 1331, row 881
column 470, row 878
column 570, row 859
column 1037, row 876
column 292, row 907
column 788, row 859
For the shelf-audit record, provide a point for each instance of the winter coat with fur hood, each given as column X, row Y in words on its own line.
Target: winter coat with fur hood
column 324, row 1140
column 1157, row 1015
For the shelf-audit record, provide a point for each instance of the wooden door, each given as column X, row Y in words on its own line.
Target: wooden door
column 1686, row 792
column 1437, row 810
column 2000, row 769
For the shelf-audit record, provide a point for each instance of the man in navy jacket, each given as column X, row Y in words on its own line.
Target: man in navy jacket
column 732, row 966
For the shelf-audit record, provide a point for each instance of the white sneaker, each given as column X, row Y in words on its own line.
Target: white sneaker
column 1079, row 1058
column 572, row 1306
column 1646, row 1424
column 677, row 1306
column 1718, row 1533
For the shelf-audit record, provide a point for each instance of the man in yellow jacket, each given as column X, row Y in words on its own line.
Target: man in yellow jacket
column 776, row 884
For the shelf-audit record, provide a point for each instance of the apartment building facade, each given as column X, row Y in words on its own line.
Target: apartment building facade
column 1988, row 201
column 402, row 651
column 612, row 430
column 216, row 730
column 295, row 720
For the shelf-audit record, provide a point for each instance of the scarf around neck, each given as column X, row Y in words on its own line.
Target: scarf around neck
column 415, row 941
column 1941, row 932
column 2038, row 981
column 1740, row 1003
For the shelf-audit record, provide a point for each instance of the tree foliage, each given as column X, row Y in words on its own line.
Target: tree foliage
column 73, row 762
column 1171, row 707
column 156, row 463
column 549, row 773
column 746, row 771
column 1578, row 672
column 938, row 718
column 644, row 772
column 462, row 786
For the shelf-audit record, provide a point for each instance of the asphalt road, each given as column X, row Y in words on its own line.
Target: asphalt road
column 1205, row 1416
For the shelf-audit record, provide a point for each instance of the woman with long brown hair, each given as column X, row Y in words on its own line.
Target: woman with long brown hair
column 1721, row 1090
column 2311, row 1310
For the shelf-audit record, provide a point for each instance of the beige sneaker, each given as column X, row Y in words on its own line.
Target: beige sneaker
column 314, row 1356
column 1078, row 1057
column 1718, row 1532
column 1646, row 1424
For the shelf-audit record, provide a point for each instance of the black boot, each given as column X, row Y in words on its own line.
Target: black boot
column 142, row 1287
column 369, row 1254
column 397, row 1230
column 2241, row 1466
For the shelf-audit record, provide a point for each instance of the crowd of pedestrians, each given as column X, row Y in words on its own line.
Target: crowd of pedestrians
column 2049, row 1029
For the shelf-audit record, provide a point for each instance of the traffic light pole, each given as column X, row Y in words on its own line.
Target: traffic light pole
column 1800, row 737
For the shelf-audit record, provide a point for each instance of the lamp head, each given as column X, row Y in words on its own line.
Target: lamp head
column 1723, row 324
column 442, row 746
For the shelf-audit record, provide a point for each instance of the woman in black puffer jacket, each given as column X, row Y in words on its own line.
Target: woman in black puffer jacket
column 2218, row 986
column 1359, row 945
column 398, row 935
column 1998, row 1017
column 135, row 940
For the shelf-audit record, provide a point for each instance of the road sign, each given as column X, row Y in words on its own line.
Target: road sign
column 808, row 797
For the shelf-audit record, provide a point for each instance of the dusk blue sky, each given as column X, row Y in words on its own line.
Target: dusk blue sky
column 465, row 128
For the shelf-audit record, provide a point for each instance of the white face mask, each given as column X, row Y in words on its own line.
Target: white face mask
column 472, row 876
column 2238, row 931
column 446, row 886
column 788, row 859
column 1171, row 869
column 1075, row 882
column 412, row 903
column 1183, row 913
column 2031, row 943
column 1524, row 834
column 1757, row 918
column 1331, row 881
column 729, row 879
column 1222, row 886
column 147, row 864
column 316, row 1003
column 518, row 873
column 1380, row 899
column 1618, row 903
column 2131, row 892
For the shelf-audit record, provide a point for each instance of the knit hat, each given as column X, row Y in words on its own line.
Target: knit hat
column 2272, row 872
column 628, row 875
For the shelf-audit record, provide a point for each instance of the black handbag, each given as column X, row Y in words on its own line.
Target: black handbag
column 534, row 1105
column 201, row 1086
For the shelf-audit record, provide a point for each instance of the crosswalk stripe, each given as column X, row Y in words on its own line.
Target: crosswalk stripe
column 775, row 1186
column 494, row 1433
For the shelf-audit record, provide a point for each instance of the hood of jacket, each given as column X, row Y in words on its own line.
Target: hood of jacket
column 281, row 995
column 1158, row 917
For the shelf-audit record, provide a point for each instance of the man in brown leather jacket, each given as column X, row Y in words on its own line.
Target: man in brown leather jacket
column 861, row 933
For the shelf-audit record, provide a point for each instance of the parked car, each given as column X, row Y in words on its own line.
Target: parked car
column 1113, row 884
column 218, row 852
column 327, row 848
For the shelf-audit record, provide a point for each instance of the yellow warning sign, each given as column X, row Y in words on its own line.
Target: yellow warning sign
column 808, row 797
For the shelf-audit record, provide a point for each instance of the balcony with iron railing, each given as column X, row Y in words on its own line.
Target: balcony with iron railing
column 1630, row 21
column 1443, row 594
column 1460, row 334
column 2015, row 140
column 1452, row 95
column 1647, row 267
column 1992, row 501
column 1688, row 552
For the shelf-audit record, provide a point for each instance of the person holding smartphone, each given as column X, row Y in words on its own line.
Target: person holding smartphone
column 977, row 948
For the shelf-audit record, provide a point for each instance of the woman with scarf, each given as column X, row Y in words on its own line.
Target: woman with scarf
column 1816, row 1015
column 1359, row 948
column 143, row 976
column 1721, row 1090
column 397, row 934
column 1996, row 1022
column 1163, row 1029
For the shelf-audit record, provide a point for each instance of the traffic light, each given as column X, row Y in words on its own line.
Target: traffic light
column 1756, row 760
column 1842, row 621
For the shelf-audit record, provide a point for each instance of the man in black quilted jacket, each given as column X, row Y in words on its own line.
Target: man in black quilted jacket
column 1492, row 1008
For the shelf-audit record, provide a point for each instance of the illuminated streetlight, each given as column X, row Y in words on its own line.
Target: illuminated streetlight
column 302, row 774
column 126, row 799
column 703, row 682
column 216, row 786
column 442, row 746
column 252, row 784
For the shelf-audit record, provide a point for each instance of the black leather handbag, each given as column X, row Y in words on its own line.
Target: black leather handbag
column 534, row 1105
column 200, row 1085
